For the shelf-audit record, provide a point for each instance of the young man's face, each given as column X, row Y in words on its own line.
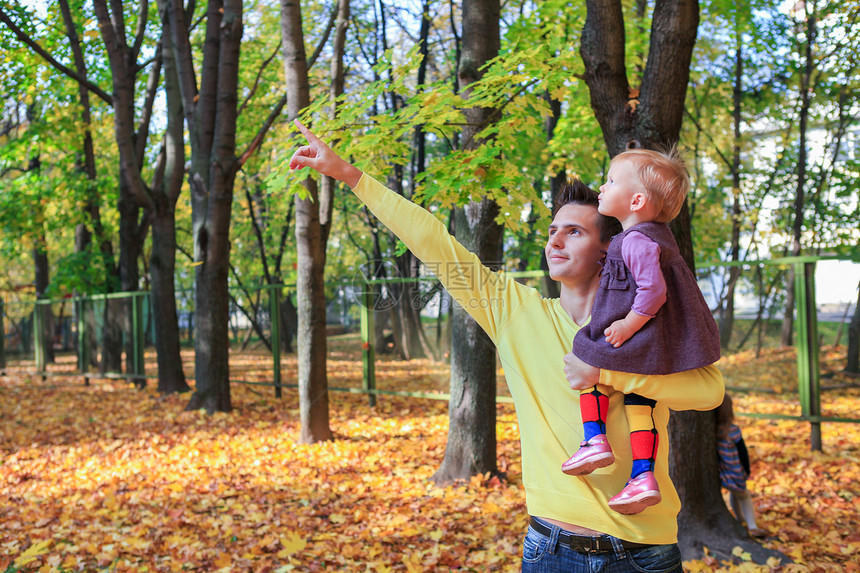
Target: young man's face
column 573, row 248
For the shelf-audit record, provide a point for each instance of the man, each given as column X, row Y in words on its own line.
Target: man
column 572, row 528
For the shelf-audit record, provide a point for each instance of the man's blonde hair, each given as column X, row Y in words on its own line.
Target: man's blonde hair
column 664, row 177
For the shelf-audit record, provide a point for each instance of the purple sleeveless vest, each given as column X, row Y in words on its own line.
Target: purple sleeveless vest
column 682, row 336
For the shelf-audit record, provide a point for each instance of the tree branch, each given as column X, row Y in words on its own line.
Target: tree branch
column 258, row 233
column 24, row 38
column 181, row 46
column 152, row 85
column 324, row 39
column 259, row 75
column 285, row 232
column 141, row 29
column 725, row 159
column 253, row 319
column 258, row 139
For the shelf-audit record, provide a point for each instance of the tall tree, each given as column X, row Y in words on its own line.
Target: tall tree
column 210, row 117
column 157, row 201
column 852, row 354
column 111, row 359
column 805, row 90
column 656, row 120
column 313, row 210
column 410, row 340
column 727, row 316
column 160, row 203
column 471, row 447
column 86, row 163
column 41, row 280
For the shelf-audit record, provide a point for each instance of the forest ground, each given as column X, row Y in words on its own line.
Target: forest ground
column 107, row 477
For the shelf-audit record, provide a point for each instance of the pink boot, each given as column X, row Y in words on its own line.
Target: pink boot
column 639, row 493
column 593, row 454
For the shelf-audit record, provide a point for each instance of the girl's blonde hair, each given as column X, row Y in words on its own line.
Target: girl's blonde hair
column 664, row 178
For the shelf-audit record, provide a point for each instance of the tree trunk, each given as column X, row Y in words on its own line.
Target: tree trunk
column 87, row 160
column 289, row 323
column 471, row 447
column 2, row 339
column 42, row 280
column 551, row 287
column 171, row 377
column 805, row 88
column 214, row 193
column 111, row 358
column 852, row 356
column 704, row 518
column 131, row 143
column 310, row 247
column 727, row 318
column 166, row 187
column 210, row 115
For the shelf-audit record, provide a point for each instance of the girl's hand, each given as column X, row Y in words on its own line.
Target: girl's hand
column 317, row 155
column 620, row 331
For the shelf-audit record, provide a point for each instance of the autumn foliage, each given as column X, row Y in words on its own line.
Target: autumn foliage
column 110, row 478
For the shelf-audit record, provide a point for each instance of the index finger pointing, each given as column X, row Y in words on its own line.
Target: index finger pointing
column 305, row 131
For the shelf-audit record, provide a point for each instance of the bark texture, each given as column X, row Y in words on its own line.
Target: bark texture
column 806, row 49
column 210, row 115
column 655, row 120
column 313, row 219
column 471, row 447
column 166, row 188
column 157, row 201
column 852, row 357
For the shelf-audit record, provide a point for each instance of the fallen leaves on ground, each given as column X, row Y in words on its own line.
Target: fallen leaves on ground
column 111, row 478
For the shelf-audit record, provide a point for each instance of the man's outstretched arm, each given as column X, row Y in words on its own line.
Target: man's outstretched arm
column 487, row 296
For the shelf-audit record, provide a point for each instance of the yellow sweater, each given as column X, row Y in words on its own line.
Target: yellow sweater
column 532, row 335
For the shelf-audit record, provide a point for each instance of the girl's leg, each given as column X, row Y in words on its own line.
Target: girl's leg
column 593, row 405
column 643, row 433
column 744, row 509
column 594, row 451
column 642, row 490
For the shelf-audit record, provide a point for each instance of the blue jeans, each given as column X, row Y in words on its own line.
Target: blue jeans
column 542, row 554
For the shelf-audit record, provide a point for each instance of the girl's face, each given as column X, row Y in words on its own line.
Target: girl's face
column 616, row 195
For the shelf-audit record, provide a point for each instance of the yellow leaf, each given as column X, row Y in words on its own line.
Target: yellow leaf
column 223, row 560
column 292, row 543
column 111, row 502
column 33, row 553
column 559, row 93
column 740, row 553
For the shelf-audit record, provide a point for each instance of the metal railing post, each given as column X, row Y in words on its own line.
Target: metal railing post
column 38, row 340
column 2, row 340
column 368, row 352
column 137, row 335
column 809, row 390
column 83, row 339
column 275, row 320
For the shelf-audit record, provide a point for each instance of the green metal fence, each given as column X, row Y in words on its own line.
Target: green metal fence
column 257, row 333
